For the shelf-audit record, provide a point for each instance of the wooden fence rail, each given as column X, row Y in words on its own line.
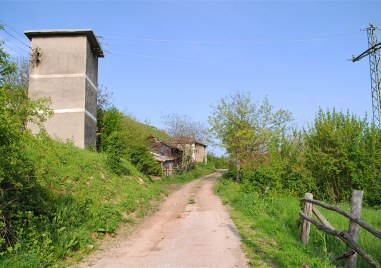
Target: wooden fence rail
column 349, row 237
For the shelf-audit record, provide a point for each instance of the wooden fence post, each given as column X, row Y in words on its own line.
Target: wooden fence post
column 305, row 235
column 354, row 227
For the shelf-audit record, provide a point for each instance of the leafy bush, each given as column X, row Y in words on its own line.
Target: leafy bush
column 116, row 150
column 141, row 157
column 218, row 162
column 336, row 154
column 341, row 155
column 108, row 122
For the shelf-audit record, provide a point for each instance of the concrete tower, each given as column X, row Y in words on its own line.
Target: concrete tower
column 64, row 67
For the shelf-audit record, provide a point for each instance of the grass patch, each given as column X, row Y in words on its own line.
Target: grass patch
column 367, row 241
column 270, row 228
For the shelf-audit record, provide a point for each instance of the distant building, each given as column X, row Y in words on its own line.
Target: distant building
column 193, row 151
column 169, row 156
column 199, row 152
column 64, row 67
column 177, row 155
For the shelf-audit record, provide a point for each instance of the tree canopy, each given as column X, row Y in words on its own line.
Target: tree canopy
column 245, row 127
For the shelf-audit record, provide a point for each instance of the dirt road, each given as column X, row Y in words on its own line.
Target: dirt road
column 191, row 229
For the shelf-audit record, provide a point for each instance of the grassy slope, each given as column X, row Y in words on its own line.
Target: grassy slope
column 80, row 202
column 270, row 228
column 145, row 130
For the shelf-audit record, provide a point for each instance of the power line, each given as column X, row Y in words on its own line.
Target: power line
column 16, row 38
column 173, row 59
column 217, row 42
column 5, row 39
column 11, row 48
column 22, row 36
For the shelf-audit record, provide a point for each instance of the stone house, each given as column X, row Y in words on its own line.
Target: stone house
column 170, row 157
column 199, row 152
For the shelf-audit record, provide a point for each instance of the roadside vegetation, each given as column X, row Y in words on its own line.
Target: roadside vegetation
column 72, row 199
column 272, row 165
column 200, row 169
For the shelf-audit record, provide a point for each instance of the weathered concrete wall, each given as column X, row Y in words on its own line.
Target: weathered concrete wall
column 200, row 153
column 60, row 54
column 68, row 74
column 61, row 122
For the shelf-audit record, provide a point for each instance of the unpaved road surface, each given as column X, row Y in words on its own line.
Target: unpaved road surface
column 191, row 229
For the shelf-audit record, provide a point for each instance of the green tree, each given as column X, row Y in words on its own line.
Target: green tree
column 339, row 153
column 246, row 128
column 17, row 169
column 110, row 121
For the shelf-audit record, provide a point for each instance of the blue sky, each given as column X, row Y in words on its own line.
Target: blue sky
column 182, row 56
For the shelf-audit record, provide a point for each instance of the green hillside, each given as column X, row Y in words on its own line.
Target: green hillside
column 73, row 200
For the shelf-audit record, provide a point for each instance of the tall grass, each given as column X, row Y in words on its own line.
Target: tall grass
column 75, row 201
column 367, row 241
column 270, row 227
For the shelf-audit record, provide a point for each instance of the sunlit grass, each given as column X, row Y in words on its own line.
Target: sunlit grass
column 270, row 227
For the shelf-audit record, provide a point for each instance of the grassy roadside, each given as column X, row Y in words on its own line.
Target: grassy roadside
column 270, row 228
column 71, row 203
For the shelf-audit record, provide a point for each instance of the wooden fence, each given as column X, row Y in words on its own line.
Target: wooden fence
column 349, row 237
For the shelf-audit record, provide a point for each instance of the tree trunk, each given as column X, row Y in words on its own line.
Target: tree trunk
column 238, row 177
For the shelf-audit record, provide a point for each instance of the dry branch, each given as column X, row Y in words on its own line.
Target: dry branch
column 345, row 255
column 322, row 218
column 344, row 236
column 363, row 224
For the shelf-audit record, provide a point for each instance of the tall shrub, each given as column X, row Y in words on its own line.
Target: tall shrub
column 342, row 154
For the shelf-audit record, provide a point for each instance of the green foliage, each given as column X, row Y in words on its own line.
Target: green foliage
column 17, row 170
column 341, row 154
column 218, row 162
column 269, row 228
column 73, row 199
column 141, row 157
column 336, row 154
column 123, row 137
column 6, row 67
column 108, row 121
column 245, row 128
column 116, row 150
